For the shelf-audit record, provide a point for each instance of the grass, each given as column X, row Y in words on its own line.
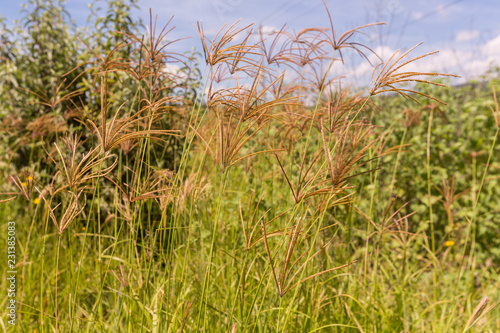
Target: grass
column 264, row 205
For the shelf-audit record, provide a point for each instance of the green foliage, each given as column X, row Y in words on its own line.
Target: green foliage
column 142, row 205
column 45, row 52
column 461, row 135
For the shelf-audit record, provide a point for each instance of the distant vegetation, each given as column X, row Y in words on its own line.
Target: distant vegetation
column 154, row 191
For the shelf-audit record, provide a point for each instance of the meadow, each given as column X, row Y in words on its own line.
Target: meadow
column 243, row 188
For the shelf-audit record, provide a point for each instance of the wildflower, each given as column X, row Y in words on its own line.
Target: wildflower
column 30, row 178
column 449, row 243
column 83, row 228
column 36, row 201
column 24, row 184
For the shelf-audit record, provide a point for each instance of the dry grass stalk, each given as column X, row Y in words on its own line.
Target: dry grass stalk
column 220, row 50
column 382, row 143
column 388, row 224
column 448, row 191
column 343, row 41
column 479, row 312
column 46, row 125
column 294, row 123
column 77, row 169
column 193, row 187
column 232, row 135
column 53, row 102
column 105, row 65
column 72, row 211
column 116, row 131
column 402, row 234
column 185, row 314
column 342, row 109
column 351, row 144
column 284, row 279
column 246, row 103
column 8, row 199
column 153, row 55
column 310, row 182
column 496, row 111
column 303, row 48
column 412, row 118
column 249, row 226
column 271, row 58
column 25, row 188
column 388, row 77
column 320, row 72
column 157, row 185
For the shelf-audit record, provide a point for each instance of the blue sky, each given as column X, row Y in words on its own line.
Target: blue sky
column 466, row 32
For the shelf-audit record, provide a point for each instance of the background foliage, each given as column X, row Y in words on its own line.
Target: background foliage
column 143, row 202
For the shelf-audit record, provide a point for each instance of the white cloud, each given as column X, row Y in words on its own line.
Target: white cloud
column 269, row 29
column 466, row 35
column 492, row 47
column 175, row 74
column 268, row 32
column 442, row 10
column 465, row 62
column 417, row 15
column 365, row 69
column 170, row 69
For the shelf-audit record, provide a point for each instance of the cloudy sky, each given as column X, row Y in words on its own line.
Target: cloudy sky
column 466, row 32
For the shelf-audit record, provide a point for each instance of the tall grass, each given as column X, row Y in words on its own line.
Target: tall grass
column 273, row 201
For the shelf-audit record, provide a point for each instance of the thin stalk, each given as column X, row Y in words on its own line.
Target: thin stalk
column 206, row 279
column 311, row 252
column 241, row 282
column 55, row 292
column 396, row 165
column 474, row 209
column 42, row 269
column 431, row 220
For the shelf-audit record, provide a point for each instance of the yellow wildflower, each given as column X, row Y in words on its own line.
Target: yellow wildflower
column 36, row 201
column 449, row 243
column 24, row 184
column 30, row 178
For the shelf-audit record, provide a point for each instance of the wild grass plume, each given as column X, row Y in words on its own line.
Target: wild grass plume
column 245, row 188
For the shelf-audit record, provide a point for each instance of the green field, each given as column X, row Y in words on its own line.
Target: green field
column 241, row 188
